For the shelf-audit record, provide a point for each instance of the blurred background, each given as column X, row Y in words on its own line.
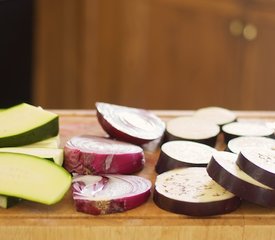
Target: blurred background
column 155, row 54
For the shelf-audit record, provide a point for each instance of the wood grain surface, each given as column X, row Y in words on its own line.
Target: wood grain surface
column 29, row 220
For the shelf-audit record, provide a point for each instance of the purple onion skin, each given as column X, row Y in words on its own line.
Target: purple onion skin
column 207, row 141
column 119, row 135
column 259, row 174
column 196, row 209
column 240, row 188
column 166, row 163
column 79, row 162
column 111, row 206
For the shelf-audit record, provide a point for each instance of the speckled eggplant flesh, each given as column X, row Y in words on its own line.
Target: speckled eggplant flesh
column 239, row 129
column 259, row 163
column 192, row 129
column 223, row 169
column 175, row 154
column 191, row 191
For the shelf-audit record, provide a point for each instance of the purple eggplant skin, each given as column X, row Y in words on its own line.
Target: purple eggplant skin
column 207, row 141
column 229, row 136
column 239, row 187
column 261, row 175
column 166, row 163
column 196, row 209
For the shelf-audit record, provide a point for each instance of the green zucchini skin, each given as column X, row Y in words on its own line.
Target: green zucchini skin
column 25, row 124
column 40, row 133
column 32, row 178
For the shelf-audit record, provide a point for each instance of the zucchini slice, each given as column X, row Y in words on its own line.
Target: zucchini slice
column 52, row 142
column 32, row 178
column 6, row 201
column 54, row 154
column 25, row 124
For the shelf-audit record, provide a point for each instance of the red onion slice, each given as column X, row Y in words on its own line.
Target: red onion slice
column 133, row 125
column 175, row 154
column 259, row 163
column 116, row 193
column 97, row 155
column 192, row 129
column 191, row 191
column 224, row 170
column 217, row 115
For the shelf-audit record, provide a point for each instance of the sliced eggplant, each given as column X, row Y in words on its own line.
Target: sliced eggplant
column 88, row 154
column 259, row 163
column 223, row 169
column 249, row 129
column 192, row 129
column 134, row 125
column 109, row 193
column 217, row 115
column 191, row 191
column 235, row 145
column 175, row 154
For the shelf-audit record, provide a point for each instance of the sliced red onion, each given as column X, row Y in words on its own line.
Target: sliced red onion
column 98, row 155
column 175, row 154
column 235, row 145
column 223, row 169
column 249, row 129
column 109, row 193
column 137, row 126
column 217, row 115
column 259, row 163
column 192, row 129
column 191, row 191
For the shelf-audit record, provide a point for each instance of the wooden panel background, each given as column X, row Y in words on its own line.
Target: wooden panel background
column 138, row 53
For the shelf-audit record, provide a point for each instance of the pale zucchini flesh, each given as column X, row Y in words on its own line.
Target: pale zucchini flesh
column 52, row 142
column 7, row 201
column 25, row 124
column 54, row 154
column 32, row 178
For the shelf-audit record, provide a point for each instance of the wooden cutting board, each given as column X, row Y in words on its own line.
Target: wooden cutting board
column 29, row 220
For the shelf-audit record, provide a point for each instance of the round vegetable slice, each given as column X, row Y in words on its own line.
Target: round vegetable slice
column 191, row 191
column 192, row 129
column 238, row 129
column 109, row 193
column 175, row 154
column 235, row 145
column 224, row 170
column 133, row 125
column 259, row 163
column 215, row 114
column 88, row 154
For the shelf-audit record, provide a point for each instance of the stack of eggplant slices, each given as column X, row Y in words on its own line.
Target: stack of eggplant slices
column 195, row 177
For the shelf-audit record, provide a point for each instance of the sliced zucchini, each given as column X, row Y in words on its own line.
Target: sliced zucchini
column 25, row 124
column 53, row 154
column 32, row 178
column 52, row 142
column 6, row 201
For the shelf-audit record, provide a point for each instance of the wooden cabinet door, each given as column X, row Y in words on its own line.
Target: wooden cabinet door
column 194, row 60
column 258, row 68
